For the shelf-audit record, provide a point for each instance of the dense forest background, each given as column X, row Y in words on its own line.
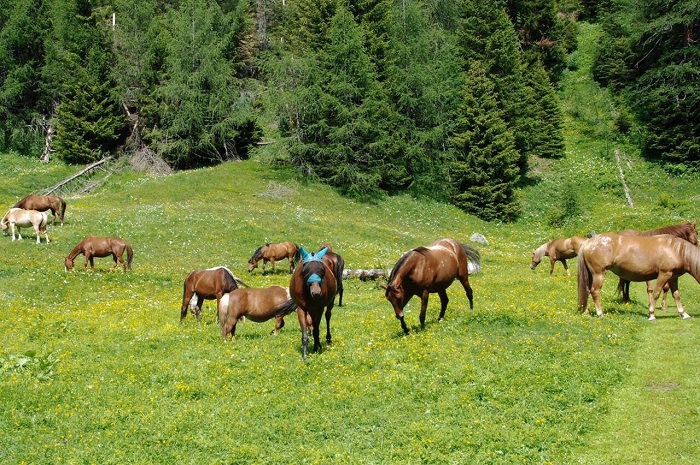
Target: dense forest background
column 449, row 99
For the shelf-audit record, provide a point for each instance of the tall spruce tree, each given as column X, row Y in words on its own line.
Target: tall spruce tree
column 485, row 173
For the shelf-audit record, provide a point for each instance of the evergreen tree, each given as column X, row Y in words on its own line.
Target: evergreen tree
column 546, row 137
column 485, row 173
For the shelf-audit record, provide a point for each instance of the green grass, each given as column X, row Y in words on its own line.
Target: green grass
column 95, row 367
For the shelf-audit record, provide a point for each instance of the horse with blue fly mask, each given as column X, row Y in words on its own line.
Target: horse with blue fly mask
column 313, row 288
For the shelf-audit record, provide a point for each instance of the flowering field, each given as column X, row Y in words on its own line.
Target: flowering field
column 95, row 367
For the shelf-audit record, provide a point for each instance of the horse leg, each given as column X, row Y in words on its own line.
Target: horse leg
column 552, row 261
column 596, row 286
column 673, row 285
column 186, row 297
column 423, row 308
column 37, row 233
column 198, row 308
column 443, row 303
column 304, row 334
column 664, row 306
column 661, row 281
column 328, row 323
column 566, row 267
column 316, row 330
column 468, row 289
column 279, row 324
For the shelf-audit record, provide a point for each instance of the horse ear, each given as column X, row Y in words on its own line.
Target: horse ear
column 383, row 286
column 321, row 253
column 304, row 254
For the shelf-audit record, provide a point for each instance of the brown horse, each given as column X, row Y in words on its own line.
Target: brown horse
column 258, row 305
column 636, row 258
column 43, row 203
column 313, row 287
column 17, row 218
column 426, row 270
column 95, row 246
column 558, row 250
column 687, row 231
column 209, row 284
column 273, row 252
column 337, row 264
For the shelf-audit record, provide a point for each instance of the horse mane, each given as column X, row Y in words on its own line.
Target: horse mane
column 257, row 254
column 683, row 230
column 21, row 202
column 402, row 261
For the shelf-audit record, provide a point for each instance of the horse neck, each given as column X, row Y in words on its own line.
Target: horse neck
column 540, row 252
column 691, row 259
column 77, row 250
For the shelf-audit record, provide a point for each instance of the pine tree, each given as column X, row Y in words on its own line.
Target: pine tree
column 485, row 173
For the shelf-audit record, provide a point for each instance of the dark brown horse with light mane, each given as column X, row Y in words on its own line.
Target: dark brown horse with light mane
column 95, row 246
column 274, row 252
column 43, row 203
column 558, row 250
column 209, row 284
column 258, row 305
column 687, row 231
column 636, row 258
column 313, row 287
column 426, row 270
column 18, row 218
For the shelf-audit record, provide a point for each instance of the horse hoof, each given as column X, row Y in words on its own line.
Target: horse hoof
column 685, row 316
column 652, row 318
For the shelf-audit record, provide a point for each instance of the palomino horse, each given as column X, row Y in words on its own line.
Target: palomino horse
column 313, row 287
column 208, row 284
column 43, row 203
column 273, row 252
column 558, row 250
column 258, row 305
column 19, row 218
column 97, row 246
column 426, row 270
column 636, row 258
column 687, row 231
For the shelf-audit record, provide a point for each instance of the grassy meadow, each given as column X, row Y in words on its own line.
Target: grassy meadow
column 95, row 367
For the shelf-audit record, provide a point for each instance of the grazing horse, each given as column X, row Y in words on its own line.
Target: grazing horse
column 426, row 270
column 43, row 203
column 687, row 231
column 96, row 246
column 271, row 253
column 313, row 287
column 636, row 258
column 19, row 218
column 208, row 284
column 258, row 305
column 558, row 250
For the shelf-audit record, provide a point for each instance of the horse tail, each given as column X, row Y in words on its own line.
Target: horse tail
column 473, row 258
column 584, row 279
column 129, row 256
column 239, row 281
column 63, row 207
column 339, row 267
column 297, row 254
column 285, row 308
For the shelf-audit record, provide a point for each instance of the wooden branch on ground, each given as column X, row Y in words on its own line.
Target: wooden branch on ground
column 366, row 275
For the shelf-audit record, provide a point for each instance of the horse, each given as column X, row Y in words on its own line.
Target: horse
column 258, row 305
column 426, row 270
column 558, row 250
column 209, row 284
column 19, row 218
column 271, row 253
column 43, row 203
column 687, row 231
column 636, row 258
column 313, row 287
column 337, row 264
column 96, row 246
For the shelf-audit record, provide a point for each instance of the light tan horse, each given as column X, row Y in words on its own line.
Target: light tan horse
column 17, row 218
column 558, row 250
column 258, row 305
column 274, row 252
column 636, row 258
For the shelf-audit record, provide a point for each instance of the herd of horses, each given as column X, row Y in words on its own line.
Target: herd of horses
column 662, row 254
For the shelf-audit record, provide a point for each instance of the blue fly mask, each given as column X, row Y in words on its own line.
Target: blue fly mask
column 307, row 257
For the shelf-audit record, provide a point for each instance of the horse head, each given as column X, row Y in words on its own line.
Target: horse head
column 69, row 263
column 313, row 271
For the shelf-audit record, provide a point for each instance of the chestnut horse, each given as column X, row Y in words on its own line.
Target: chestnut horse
column 272, row 252
column 209, row 284
column 558, row 250
column 426, row 270
column 19, row 218
column 687, row 231
column 636, row 258
column 96, row 246
column 43, row 203
column 313, row 287
column 258, row 305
